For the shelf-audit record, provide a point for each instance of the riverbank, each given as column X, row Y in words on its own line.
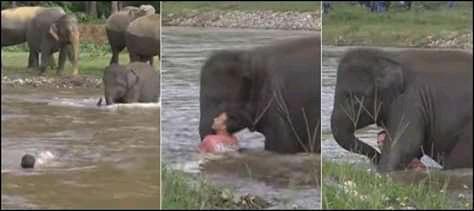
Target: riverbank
column 252, row 15
column 183, row 191
column 441, row 27
column 347, row 186
column 93, row 60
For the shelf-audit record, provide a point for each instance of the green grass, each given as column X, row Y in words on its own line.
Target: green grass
column 183, row 7
column 346, row 186
column 184, row 192
column 353, row 25
column 92, row 60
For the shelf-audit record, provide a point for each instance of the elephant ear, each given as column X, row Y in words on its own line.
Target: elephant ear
column 53, row 31
column 389, row 74
column 132, row 79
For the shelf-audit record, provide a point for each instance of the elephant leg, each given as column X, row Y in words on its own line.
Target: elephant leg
column 33, row 59
column 134, row 57
column 51, row 62
column 151, row 61
column 279, row 137
column 61, row 61
column 461, row 155
column 115, row 54
column 406, row 134
column 45, row 54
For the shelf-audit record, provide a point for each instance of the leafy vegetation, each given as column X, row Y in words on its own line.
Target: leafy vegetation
column 347, row 24
column 346, row 186
column 280, row 6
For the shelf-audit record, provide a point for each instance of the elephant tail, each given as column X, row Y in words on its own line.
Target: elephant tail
column 99, row 103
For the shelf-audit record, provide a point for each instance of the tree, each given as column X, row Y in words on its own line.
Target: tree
column 92, row 9
column 115, row 7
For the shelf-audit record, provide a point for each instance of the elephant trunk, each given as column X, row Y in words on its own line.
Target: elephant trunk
column 99, row 102
column 343, row 132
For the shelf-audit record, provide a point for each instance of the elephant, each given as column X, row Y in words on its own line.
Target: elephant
column 422, row 98
column 272, row 89
column 51, row 32
column 142, row 38
column 135, row 82
column 15, row 22
column 117, row 24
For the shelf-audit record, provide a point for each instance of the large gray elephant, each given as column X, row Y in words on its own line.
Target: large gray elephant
column 142, row 38
column 15, row 22
column 135, row 82
column 117, row 24
column 51, row 32
column 423, row 98
column 274, row 90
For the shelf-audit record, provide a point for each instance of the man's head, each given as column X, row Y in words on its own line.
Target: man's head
column 28, row 161
column 231, row 121
column 381, row 138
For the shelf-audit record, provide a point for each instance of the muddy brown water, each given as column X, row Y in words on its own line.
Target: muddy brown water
column 184, row 51
column 107, row 157
column 459, row 181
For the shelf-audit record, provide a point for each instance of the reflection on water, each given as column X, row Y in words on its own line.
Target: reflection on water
column 184, row 52
column 101, row 157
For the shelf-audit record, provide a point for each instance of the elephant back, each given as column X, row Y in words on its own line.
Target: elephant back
column 20, row 17
column 120, row 20
column 146, row 26
column 44, row 19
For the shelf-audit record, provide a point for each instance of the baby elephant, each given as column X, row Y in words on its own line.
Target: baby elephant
column 135, row 82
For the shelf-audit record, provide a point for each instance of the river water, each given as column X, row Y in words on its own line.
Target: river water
column 105, row 157
column 184, row 52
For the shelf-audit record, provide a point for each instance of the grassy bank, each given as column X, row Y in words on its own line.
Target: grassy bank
column 184, row 192
column 92, row 60
column 346, row 186
column 353, row 25
column 184, row 7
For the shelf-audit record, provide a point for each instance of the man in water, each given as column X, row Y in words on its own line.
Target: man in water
column 28, row 161
column 222, row 140
column 415, row 164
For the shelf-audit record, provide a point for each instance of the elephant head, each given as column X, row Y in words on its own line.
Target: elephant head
column 226, row 86
column 65, row 31
column 119, row 84
column 367, row 82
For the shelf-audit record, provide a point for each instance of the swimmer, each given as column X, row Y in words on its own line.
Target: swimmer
column 222, row 140
column 29, row 161
column 415, row 164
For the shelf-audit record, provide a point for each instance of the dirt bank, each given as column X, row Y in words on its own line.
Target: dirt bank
column 247, row 19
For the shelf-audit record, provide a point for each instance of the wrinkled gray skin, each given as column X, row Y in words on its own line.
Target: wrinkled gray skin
column 245, row 83
column 135, row 82
column 51, row 32
column 15, row 22
column 117, row 24
column 142, row 38
column 424, row 99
